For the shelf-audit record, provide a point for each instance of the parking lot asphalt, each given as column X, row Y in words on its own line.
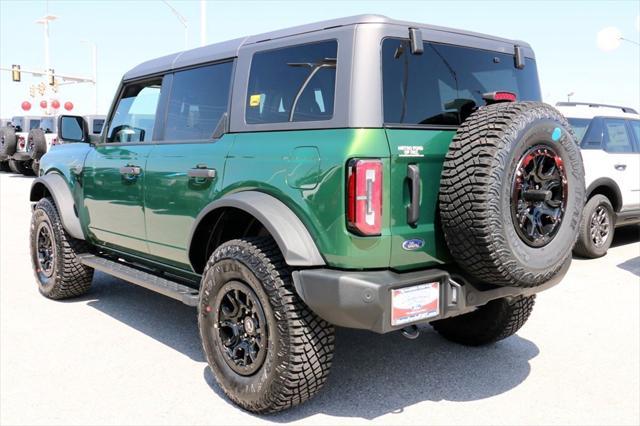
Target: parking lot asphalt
column 125, row 355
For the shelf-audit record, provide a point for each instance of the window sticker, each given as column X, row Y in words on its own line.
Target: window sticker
column 254, row 100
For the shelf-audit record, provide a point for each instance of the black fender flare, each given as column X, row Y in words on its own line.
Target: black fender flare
column 610, row 184
column 57, row 186
column 291, row 235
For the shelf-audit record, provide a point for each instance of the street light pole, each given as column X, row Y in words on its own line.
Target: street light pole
column 45, row 21
column 569, row 95
column 203, row 22
column 182, row 20
column 94, row 61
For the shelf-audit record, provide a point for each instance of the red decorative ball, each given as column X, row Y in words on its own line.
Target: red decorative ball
column 55, row 104
column 68, row 106
column 43, row 104
column 26, row 105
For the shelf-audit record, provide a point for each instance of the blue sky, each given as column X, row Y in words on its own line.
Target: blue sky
column 563, row 34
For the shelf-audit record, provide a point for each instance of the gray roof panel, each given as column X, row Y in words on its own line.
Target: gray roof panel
column 229, row 49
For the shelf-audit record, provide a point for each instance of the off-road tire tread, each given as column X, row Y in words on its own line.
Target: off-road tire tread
column 490, row 323
column 470, row 179
column 73, row 278
column 309, row 339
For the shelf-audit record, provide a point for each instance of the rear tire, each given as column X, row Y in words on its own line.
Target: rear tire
column 596, row 228
column 21, row 167
column 291, row 348
column 490, row 323
column 54, row 255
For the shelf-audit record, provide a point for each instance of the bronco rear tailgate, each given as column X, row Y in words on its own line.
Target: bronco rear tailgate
column 416, row 164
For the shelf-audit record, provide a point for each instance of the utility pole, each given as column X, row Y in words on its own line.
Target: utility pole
column 203, row 22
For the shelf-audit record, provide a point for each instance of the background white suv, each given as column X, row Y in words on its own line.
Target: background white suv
column 610, row 140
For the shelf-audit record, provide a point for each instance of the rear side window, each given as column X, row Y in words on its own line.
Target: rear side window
column 580, row 126
column 443, row 85
column 34, row 124
column 635, row 128
column 616, row 138
column 292, row 84
column 135, row 114
column 199, row 98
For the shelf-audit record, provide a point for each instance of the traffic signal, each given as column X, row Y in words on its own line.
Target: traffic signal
column 32, row 91
column 15, row 73
column 51, row 76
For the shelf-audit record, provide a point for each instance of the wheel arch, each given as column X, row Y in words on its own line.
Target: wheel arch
column 55, row 186
column 290, row 234
column 607, row 187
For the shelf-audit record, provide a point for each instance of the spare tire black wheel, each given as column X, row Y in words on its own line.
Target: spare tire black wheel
column 511, row 194
column 7, row 142
column 21, row 167
column 36, row 143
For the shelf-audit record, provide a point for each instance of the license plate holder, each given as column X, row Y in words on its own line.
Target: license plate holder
column 415, row 303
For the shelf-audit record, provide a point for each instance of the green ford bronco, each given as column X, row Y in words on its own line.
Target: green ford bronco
column 362, row 172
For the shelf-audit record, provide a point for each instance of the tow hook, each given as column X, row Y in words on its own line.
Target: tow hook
column 410, row 332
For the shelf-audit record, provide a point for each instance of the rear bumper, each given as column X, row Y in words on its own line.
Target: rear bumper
column 362, row 300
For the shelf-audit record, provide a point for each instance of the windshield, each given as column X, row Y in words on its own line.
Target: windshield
column 580, row 126
column 445, row 84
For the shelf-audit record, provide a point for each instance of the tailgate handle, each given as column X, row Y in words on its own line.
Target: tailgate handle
column 413, row 210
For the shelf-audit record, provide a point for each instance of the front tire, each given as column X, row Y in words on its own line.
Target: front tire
column 490, row 323
column 596, row 228
column 266, row 349
column 54, row 255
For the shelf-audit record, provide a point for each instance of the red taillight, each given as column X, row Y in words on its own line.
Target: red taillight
column 494, row 97
column 21, row 142
column 364, row 196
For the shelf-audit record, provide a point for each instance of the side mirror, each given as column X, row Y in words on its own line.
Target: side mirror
column 72, row 128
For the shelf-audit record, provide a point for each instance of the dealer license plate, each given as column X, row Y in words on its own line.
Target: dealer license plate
column 415, row 303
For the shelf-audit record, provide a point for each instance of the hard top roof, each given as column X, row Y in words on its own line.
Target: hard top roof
column 229, row 49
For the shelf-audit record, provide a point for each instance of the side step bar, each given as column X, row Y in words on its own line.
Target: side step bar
column 183, row 293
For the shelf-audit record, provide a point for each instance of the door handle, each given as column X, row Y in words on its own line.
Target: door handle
column 202, row 173
column 620, row 167
column 413, row 210
column 130, row 170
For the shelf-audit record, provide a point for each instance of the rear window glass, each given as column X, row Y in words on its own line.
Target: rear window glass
column 580, row 126
column 199, row 98
column 98, row 123
column 34, row 124
column 48, row 124
column 17, row 122
column 292, row 84
column 443, row 85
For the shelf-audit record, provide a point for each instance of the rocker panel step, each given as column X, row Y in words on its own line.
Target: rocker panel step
column 183, row 293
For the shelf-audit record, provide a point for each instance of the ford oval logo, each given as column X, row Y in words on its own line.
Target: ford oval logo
column 413, row 244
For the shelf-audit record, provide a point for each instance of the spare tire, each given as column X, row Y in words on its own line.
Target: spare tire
column 511, row 194
column 36, row 143
column 7, row 142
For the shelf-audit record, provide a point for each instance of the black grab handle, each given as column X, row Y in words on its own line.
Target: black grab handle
column 413, row 210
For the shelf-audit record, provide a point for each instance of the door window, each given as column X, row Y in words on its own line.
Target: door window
column 292, row 84
column 135, row 114
column 616, row 138
column 199, row 98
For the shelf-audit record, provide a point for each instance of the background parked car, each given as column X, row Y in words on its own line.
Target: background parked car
column 15, row 143
column 610, row 140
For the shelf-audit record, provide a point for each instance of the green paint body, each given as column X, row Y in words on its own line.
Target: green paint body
column 150, row 216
